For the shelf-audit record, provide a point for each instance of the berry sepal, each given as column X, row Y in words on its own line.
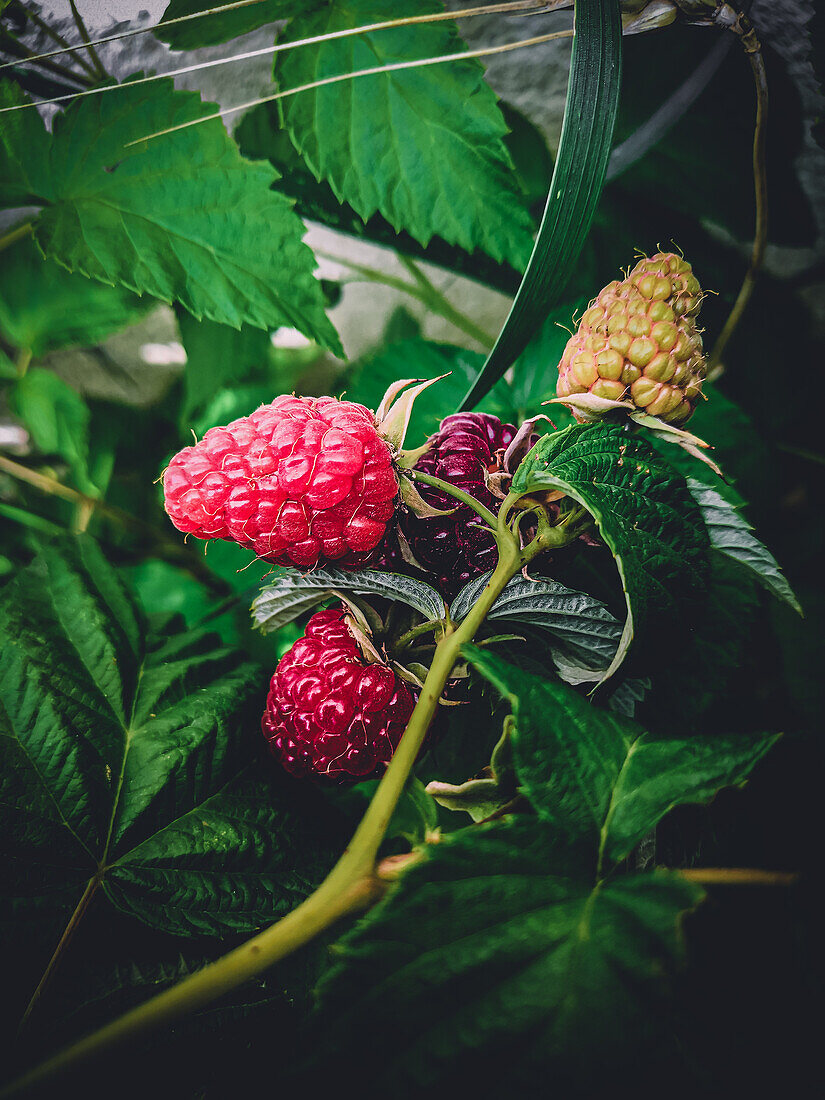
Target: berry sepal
column 591, row 409
column 392, row 417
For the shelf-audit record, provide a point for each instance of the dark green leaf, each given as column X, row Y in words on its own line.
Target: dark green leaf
column 236, row 861
column 732, row 535
column 182, row 218
column 292, row 594
column 581, row 163
column 218, row 356
column 222, row 26
column 587, row 631
column 644, row 512
column 43, row 307
column 595, row 775
column 122, row 754
column 498, row 946
column 57, row 418
column 424, row 146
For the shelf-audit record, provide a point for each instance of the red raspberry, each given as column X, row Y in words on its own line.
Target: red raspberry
column 329, row 712
column 467, row 451
column 301, row 481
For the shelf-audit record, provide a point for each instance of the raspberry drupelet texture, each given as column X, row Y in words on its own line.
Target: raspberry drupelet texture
column 638, row 341
column 329, row 712
column 302, row 480
column 467, row 451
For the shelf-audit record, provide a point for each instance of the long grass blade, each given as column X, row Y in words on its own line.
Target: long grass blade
column 584, row 151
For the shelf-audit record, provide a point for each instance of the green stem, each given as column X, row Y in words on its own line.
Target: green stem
column 65, row 939
column 11, row 45
column 760, row 184
column 166, row 548
column 416, row 632
column 738, row 876
column 84, row 34
column 59, row 39
column 16, row 234
column 422, row 290
column 456, row 494
column 350, row 886
column 24, row 357
column 440, row 303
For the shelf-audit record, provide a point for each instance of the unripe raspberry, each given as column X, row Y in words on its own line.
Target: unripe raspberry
column 638, row 342
column 467, row 451
column 301, row 481
column 329, row 712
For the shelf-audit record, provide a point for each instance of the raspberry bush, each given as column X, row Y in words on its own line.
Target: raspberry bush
column 384, row 713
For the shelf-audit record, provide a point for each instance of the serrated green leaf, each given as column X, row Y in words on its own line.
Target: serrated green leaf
column 261, row 134
column 588, row 632
column 292, row 594
column 57, row 418
column 535, row 966
column 424, row 146
column 122, row 755
column 220, row 27
column 600, row 777
column 236, row 862
column 43, row 306
column 182, row 218
column 732, row 535
column 581, row 164
column 24, row 149
column 643, row 510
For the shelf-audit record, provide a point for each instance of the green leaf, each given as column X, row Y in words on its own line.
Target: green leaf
column 644, row 513
column 123, row 762
column 534, row 379
column 588, row 633
column 222, row 26
column 260, row 134
column 581, row 163
column 597, row 776
column 183, row 217
column 57, row 418
column 534, row 967
column 292, row 594
column 218, row 356
column 732, row 535
column 235, row 862
column 8, row 371
column 24, row 149
column 424, row 146
column 415, row 815
column 415, row 358
column 43, row 306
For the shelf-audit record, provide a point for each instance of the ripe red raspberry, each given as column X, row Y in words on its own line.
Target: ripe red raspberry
column 331, row 713
column 467, row 451
column 301, row 481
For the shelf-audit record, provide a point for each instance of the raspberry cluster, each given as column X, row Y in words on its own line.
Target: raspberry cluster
column 329, row 712
column 300, row 481
column 467, row 451
column 638, row 341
